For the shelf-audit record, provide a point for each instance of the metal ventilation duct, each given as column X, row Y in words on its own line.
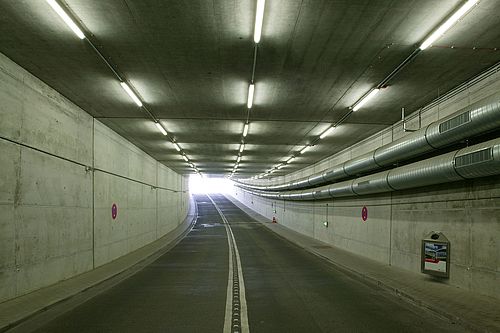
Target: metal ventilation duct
column 463, row 124
column 480, row 160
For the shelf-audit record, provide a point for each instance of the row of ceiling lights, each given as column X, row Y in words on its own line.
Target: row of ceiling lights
column 457, row 15
column 251, row 89
column 259, row 18
column 126, row 86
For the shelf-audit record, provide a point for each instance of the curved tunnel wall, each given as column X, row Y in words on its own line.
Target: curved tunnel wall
column 466, row 211
column 55, row 211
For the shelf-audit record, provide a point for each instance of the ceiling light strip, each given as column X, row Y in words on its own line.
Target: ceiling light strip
column 162, row 130
column 132, row 95
column 259, row 18
column 245, row 130
column 306, row 148
column 65, row 17
column 251, row 90
column 126, row 86
column 365, row 99
column 448, row 23
column 327, row 132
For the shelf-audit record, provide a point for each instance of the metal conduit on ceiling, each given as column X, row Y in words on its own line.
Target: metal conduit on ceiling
column 480, row 160
column 463, row 124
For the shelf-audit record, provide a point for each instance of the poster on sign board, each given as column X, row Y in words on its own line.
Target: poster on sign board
column 436, row 255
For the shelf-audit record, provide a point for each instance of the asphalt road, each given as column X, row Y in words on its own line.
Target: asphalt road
column 287, row 289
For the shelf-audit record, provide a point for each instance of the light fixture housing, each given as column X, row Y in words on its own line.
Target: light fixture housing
column 251, row 90
column 365, row 99
column 185, row 158
column 176, row 146
column 327, row 132
column 160, row 127
column 242, row 147
column 238, row 159
column 259, row 18
column 245, row 130
column 69, row 22
column 131, row 94
column 448, row 23
column 290, row 159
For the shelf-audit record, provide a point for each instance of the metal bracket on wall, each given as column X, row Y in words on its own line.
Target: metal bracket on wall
column 404, row 121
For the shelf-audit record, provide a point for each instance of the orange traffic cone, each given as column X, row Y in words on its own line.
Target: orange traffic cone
column 274, row 220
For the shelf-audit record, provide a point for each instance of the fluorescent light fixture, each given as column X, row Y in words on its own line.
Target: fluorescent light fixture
column 306, row 148
column 290, row 159
column 448, row 24
column 176, row 146
column 251, row 89
column 185, row 158
column 242, row 146
column 69, row 22
column 280, row 166
column 245, row 130
column 162, row 130
column 259, row 17
column 365, row 99
column 131, row 94
column 327, row 132
column 238, row 159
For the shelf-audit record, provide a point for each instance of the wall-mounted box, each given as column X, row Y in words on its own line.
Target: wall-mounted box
column 436, row 255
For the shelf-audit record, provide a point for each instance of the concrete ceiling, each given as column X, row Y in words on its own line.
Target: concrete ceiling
column 191, row 63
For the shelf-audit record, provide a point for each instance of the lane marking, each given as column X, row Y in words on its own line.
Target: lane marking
column 236, row 318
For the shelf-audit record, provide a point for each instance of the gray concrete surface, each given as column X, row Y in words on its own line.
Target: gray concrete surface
column 73, row 291
column 473, row 311
column 467, row 212
column 55, row 209
column 287, row 289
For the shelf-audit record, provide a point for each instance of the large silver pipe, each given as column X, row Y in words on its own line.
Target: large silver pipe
column 480, row 160
column 467, row 122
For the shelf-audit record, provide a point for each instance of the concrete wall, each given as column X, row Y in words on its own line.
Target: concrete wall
column 55, row 212
column 467, row 212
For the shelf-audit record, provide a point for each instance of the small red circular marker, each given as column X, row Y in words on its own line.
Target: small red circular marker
column 364, row 213
column 114, row 211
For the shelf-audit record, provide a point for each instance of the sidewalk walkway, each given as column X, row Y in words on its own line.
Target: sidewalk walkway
column 474, row 312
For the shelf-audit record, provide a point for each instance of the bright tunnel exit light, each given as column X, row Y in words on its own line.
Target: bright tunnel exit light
column 69, row 22
column 199, row 184
column 448, row 23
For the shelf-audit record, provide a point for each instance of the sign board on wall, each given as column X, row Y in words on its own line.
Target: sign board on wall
column 436, row 255
column 114, row 211
column 364, row 214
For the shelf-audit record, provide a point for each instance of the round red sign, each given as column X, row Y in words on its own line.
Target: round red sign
column 364, row 213
column 114, row 211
